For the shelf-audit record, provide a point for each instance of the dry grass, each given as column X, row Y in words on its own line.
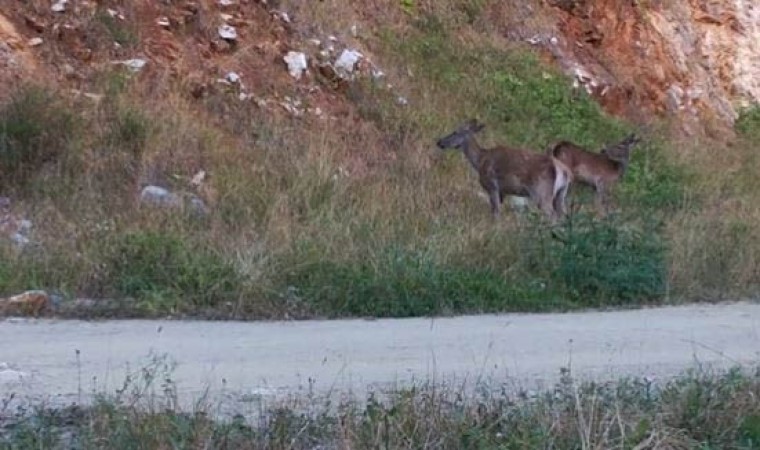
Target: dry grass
column 699, row 409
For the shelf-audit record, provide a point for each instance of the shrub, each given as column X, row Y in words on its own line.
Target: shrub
column 169, row 274
column 608, row 262
column 404, row 283
column 36, row 128
column 748, row 122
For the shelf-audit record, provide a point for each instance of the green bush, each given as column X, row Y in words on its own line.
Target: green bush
column 167, row 273
column 748, row 122
column 402, row 283
column 608, row 262
column 36, row 129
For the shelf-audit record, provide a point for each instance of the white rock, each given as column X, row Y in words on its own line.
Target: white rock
column 115, row 13
column 297, row 64
column 232, row 77
column 518, row 203
column 227, row 32
column 198, row 178
column 24, row 226
column 34, row 42
column 135, row 65
column 377, row 73
column 19, row 239
column 282, row 16
column 347, row 61
column 163, row 22
column 535, row 40
column 226, row 2
column 158, row 196
column 402, row 101
column 354, row 30
column 198, row 206
column 59, row 6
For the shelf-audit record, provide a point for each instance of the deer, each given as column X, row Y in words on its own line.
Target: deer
column 504, row 170
column 601, row 171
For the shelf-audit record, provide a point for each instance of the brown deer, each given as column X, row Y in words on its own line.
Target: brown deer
column 600, row 170
column 511, row 171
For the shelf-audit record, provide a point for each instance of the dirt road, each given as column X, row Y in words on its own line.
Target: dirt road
column 242, row 363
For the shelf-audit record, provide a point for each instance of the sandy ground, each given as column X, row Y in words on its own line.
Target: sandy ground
column 236, row 366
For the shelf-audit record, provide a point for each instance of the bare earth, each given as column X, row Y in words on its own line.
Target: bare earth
column 241, row 364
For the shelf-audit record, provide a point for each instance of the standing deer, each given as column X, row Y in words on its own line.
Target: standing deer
column 601, row 170
column 511, row 171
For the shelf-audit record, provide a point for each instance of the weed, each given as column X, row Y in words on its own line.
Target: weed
column 402, row 283
column 36, row 130
column 695, row 410
column 167, row 274
column 609, row 261
column 748, row 123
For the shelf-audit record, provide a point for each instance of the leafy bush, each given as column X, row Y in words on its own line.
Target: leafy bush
column 167, row 273
column 36, row 128
column 608, row 262
column 748, row 122
column 402, row 283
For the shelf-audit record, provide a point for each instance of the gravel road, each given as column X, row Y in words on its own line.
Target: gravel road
column 238, row 364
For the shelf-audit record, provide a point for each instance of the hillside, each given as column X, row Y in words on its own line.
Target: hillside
column 282, row 192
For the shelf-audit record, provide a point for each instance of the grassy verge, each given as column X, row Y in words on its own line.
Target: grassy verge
column 697, row 410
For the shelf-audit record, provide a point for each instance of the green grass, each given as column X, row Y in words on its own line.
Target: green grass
column 696, row 410
column 37, row 130
column 168, row 274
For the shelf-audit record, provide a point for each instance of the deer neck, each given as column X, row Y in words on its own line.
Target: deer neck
column 472, row 152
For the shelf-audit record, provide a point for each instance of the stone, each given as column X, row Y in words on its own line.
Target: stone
column 227, row 32
column 29, row 303
column 297, row 64
column 346, row 62
column 59, row 6
column 135, row 65
column 232, row 77
column 158, row 196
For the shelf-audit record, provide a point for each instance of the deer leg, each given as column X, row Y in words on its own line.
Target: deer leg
column 601, row 200
column 545, row 204
column 493, row 196
column 559, row 201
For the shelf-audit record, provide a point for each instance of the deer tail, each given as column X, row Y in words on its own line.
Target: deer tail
column 563, row 177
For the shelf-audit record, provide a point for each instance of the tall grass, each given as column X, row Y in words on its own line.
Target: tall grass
column 696, row 410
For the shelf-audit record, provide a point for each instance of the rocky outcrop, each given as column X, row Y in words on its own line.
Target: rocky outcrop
column 697, row 60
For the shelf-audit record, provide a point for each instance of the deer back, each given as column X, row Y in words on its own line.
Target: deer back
column 585, row 165
column 517, row 169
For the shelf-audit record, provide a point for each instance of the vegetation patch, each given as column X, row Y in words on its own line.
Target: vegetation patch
column 167, row 274
column 37, row 130
column 697, row 410
column 401, row 283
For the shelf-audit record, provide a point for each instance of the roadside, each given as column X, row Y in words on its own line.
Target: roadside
column 239, row 366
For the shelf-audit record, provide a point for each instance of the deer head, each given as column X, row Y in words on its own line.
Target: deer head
column 459, row 138
column 621, row 152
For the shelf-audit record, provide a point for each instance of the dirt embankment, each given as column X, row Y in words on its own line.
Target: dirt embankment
column 693, row 60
